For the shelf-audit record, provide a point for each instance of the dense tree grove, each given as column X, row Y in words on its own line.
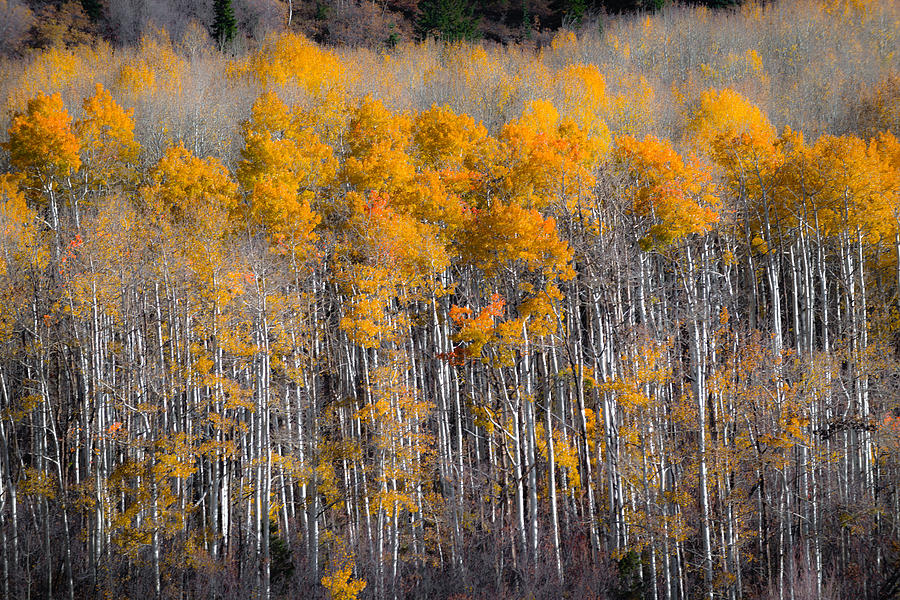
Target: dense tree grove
column 615, row 319
column 371, row 23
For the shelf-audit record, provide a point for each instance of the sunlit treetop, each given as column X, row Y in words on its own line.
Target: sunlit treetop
column 781, row 192
column 582, row 92
column 284, row 168
column 437, row 197
column 41, row 139
column 373, row 125
column 189, row 189
column 676, row 196
column 293, row 59
column 107, row 135
column 378, row 140
column 533, row 148
column 451, row 153
column 547, row 159
column 731, row 129
column 884, row 152
column 278, row 144
column 445, row 140
column 507, row 236
column 849, row 184
column 270, row 115
column 741, row 141
column 727, row 113
column 265, row 147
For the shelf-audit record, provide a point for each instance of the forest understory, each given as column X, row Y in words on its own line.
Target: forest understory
column 616, row 318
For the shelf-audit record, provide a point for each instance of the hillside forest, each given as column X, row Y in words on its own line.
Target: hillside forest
column 614, row 318
column 29, row 24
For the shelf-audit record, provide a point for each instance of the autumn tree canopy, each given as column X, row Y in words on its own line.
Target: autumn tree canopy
column 612, row 316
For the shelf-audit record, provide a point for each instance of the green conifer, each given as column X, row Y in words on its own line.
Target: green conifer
column 447, row 20
column 224, row 25
column 93, row 9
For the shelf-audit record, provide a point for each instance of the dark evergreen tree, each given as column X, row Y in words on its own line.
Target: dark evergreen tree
column 224, row 25
column 629, row 585
column 447, row 20
column 575, row 9
column 93, row 9
column 282, row 565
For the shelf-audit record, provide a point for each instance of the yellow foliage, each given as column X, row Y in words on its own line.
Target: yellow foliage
column 377, row 140
column 293, row 59
column 476, row 331
column 736, row 134
column 135, row 78
column 107, row 135
column 539, row 312
column 340, row 582
column 190, row 189
column 387, row 260
column 853, row 183
column 677, row 197
column 582, row 88
column 168, row 69
column 41, row 141
column 18, row 236
column 285, row 165
column 371, row 291
column 564, row 44
column 546, row 159
column 631, row 110
column 446, row 140
column 565, row 452
column 733, row 68
column 37, row 483
column 176, row 459
column 643, row 372
column 59, row 70
column 504, row 234
column 724, row 115
column 147, row 486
